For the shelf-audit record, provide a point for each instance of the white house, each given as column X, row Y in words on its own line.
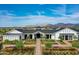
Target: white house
column 65, row 33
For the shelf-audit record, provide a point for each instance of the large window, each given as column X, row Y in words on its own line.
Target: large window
column 47, row 36
column 26, row 36
column 30, row 36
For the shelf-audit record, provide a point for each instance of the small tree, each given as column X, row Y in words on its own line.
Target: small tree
column 61, row 38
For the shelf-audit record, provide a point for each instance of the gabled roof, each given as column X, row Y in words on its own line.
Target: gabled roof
column 14, row 31
column 43, row 31
column 32, row 31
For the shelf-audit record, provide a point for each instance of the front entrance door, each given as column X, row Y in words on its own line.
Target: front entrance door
column 38, row 35
column 66, row 37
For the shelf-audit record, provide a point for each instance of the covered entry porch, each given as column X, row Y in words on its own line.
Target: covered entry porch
column 37, row 36
column 66, row 36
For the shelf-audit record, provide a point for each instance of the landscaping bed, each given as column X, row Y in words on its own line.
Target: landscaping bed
column 61, row 42
column 60, row 51
column 75, row 43
column 48, row 41
column 10, row 42
column 15, row 51
column 30, row 42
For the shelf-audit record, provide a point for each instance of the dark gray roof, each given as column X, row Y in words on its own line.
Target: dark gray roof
column 44, row 31
column 32, row 31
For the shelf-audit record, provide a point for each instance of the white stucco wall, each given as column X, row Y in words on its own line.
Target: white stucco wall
column 11, row 37
column 66, row 30
column 53, row 36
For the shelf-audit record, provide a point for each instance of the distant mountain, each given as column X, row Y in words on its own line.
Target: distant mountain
column 62, row 25
column 49, row 25
column 65, row 25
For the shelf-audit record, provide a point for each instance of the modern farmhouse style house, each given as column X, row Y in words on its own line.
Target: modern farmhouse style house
column 57, row 34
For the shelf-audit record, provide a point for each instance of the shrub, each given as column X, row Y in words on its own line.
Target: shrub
column 75, row 44
column 48, row 45
column 6, row 41
column 19, row 44
column 61, row 38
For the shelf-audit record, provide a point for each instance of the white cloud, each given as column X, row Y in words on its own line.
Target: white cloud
column 6, row 13
column 7, row 19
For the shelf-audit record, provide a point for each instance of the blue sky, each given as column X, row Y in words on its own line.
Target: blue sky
column 37, row 14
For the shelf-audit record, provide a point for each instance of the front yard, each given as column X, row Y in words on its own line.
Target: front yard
column 49, row 47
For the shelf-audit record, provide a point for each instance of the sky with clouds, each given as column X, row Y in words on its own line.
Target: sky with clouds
column 36, row 14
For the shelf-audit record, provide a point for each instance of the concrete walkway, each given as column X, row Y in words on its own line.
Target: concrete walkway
column 57, row 42
column 67, row 43
column 38, row 48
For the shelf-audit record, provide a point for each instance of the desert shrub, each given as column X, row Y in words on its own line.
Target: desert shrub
column 48, row 45
column 61, row 38
column 6, row 41
column 19, row 44
column 75, row 44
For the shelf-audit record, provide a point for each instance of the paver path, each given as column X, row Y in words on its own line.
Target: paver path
column 67, row 43
column 38, row 48
column 57, row 42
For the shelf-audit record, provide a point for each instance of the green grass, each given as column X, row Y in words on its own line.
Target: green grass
column 61, row 42
column 75, row 43
column 10, row 42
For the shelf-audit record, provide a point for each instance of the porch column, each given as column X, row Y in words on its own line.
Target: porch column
column 68, row 37
column 50, row 36
column 64, row 37
column 33, row 37
column 28, row 36
column 22, row 36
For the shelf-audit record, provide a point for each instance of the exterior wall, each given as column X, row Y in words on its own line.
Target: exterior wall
column 53, row 36
column 66, row 30
column 14, row 34
column 11, row 37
